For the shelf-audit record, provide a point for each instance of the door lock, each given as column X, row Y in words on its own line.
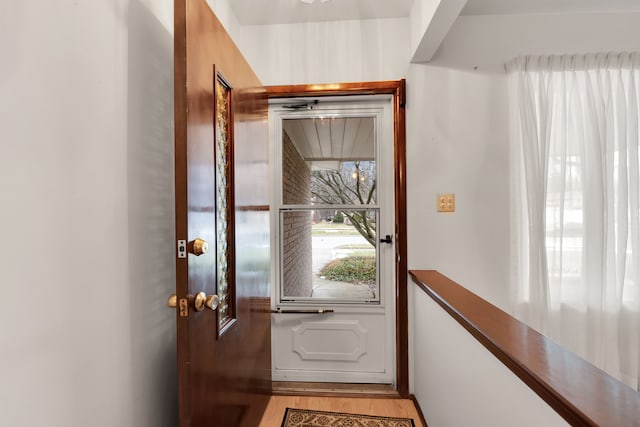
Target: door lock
column 198, row 247
column 182, row 248
column 181, row 303
column 387, row 239
column 202, row 301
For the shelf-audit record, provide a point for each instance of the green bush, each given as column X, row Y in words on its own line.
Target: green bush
column 339, row 218
column 353, row 269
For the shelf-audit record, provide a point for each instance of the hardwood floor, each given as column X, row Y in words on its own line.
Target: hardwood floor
column 385, row 407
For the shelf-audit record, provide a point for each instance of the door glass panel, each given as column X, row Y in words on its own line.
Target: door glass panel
column 329, row 254
column 225, row 286
column 329, row 161
column 329, row 212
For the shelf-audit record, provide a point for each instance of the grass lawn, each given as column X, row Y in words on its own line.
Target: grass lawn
column 353, row 269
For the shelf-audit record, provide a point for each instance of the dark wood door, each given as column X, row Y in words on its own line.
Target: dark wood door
column 221, row 155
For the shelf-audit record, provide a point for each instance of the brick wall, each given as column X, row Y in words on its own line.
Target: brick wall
column 296, row 226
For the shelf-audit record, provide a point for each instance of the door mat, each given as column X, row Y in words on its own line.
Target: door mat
column 306, row 418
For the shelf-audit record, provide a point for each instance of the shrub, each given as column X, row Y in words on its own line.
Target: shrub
column 339, row 218
column 353, row 269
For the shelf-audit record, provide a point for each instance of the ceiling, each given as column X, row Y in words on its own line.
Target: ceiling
column 264, row 12
column 345, row 139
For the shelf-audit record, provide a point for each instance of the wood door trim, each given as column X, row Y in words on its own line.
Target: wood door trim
column 397, row 88
column 393, row 87
column 181, row 197
column 400, row 166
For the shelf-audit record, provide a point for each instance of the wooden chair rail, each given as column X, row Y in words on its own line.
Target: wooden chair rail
column 578, row 391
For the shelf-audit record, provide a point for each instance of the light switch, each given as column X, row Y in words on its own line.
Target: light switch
column 446, row 202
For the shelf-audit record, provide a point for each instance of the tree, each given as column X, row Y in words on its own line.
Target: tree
column 354, row 183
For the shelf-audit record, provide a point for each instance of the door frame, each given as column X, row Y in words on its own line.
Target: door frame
column 396, row 88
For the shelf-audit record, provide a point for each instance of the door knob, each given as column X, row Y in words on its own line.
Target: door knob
column 202, row 301
column 198, row 247
column 172, row 301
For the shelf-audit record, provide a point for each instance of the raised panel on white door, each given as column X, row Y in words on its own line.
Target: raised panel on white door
column 344, row 340
column 341, row 346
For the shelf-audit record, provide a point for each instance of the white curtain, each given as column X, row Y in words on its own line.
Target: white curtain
column 576, row 208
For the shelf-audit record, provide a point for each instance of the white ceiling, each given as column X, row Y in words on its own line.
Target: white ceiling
column 263, row 12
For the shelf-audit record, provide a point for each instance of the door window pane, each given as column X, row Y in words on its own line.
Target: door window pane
column 329, row 161
column 329, row 254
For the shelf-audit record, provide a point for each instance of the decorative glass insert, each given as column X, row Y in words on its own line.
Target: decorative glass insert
column 225, row 283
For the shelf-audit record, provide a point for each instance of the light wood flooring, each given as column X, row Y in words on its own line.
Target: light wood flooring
column 356, row 405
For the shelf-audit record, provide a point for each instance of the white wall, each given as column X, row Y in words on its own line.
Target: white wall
column 458, row 382
column 328, row 52
column 87, row 213
column 457, row 142
column 151, row 209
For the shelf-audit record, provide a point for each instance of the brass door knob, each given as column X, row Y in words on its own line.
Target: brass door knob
column 172, row 301
column 212, row 302
column 202, row 301
column 198, row 247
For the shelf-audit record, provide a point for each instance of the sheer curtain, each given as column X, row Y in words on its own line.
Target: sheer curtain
column 575, row 211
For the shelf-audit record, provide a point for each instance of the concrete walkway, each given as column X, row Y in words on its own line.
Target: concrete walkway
column 324, row 288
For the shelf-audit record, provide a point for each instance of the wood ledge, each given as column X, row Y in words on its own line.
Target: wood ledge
column 578, row 391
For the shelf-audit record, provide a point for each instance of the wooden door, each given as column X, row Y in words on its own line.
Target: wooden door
column 221, row 157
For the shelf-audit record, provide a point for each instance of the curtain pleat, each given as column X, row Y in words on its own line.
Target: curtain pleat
column 575, row 168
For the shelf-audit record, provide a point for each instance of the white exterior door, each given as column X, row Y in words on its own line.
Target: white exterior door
column 333, row 268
